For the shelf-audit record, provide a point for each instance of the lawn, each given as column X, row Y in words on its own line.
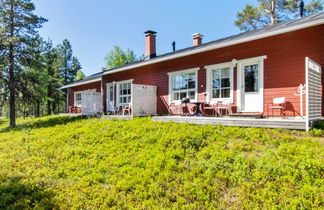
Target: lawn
column 62, row 162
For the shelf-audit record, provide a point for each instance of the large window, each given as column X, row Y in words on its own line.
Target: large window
column 221, row 80
column 77, row 99
column 125, row 95
column 183, row 85
column 220, row 83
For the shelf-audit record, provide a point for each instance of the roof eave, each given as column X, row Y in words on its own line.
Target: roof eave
column 80, row 83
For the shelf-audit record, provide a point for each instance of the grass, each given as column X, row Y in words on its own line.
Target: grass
column 62, row 162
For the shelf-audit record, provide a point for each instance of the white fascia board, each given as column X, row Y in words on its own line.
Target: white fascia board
column 81, row 83
column 221, row 45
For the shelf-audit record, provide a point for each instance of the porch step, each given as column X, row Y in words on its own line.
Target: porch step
column 247, row 115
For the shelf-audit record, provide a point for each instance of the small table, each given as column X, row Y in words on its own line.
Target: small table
column 198, row 112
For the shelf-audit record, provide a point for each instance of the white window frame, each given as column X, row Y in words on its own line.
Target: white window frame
column 209, row 83
column 118, row 95
column 182, row 72
column 75, row 101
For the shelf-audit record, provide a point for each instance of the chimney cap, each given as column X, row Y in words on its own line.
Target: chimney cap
column 197, row 35
column 149, row 32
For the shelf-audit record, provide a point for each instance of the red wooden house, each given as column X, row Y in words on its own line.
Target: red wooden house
column 245, row 71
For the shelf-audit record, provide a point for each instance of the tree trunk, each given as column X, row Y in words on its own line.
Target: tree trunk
column 24, row 111
column 273, row 14
column 12, row 83
column 37, row 110
column 49, row 102
column 54, row 106
column 12, row 91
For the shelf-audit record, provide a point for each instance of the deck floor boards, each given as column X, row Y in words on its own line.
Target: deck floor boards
column 299, row 124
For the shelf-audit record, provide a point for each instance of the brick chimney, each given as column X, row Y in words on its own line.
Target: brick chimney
column 197, row 39
column 150, row 41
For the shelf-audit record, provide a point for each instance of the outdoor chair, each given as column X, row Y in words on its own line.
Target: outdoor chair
column 127, row 110
column 210, row 107
column 75, row 109
column 184, row 107
column 117, row 110
column 278, row 104
column 173, row 108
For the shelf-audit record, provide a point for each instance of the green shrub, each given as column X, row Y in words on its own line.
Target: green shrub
column 75, row 163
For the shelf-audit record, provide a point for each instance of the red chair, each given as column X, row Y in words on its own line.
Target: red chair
column 184, row 109
column 210, row 107
column 75, row 109
column 173, row 109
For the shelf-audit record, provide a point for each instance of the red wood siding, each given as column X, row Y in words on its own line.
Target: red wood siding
column 94, row 85
column 284, row 68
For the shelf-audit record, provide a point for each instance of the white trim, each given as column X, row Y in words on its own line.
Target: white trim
column 181, row 72
column 107, row 96
column 221, row 45
column 254, row 59
column 117, row 91
column 239, row 92
column 80, row 83
column 209, row 70
column 307, row 95
column 74, row 98
column 185, row 71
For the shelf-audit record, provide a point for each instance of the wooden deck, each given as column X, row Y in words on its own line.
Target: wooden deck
column 291, row 123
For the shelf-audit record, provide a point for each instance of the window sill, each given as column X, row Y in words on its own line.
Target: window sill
column 179, row 102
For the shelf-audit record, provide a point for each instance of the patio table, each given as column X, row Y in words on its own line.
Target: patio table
column 198, row 112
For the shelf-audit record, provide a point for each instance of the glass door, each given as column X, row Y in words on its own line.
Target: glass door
column 110, row 97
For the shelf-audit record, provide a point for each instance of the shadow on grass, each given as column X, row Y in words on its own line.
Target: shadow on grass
column 319, row 125
column 17, row 195
column 43, row 123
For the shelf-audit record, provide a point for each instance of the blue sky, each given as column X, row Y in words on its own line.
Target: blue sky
column 94, row 27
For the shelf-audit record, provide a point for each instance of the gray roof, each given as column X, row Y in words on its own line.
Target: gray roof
column 86, row 80
column 271, row 29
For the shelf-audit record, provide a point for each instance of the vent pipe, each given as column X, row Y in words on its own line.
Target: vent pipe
column 301, row 8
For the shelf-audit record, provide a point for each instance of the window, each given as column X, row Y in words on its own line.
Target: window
column 183, row 85
column 111, row 93
column 77, row 99
column 221, row 83
column 125, row 96
column 251, row 75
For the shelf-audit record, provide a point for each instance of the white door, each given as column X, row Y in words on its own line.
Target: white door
column 110, row 97
column 251, row 83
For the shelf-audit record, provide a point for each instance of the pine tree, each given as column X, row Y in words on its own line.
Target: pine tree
column 19, row 26
column 269, row 12
column 76, row 70
column 51, row 56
